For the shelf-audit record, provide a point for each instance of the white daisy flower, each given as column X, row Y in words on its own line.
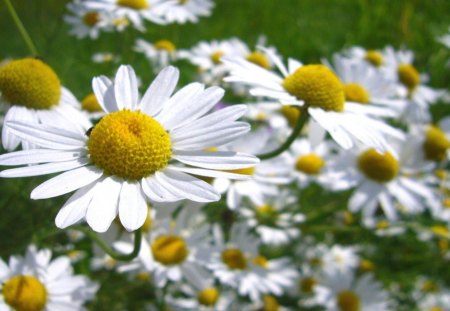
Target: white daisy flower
column 136, row 11
column 342, row 291
column 238, row 264
column 276, row 221
column 160, row 54
column 91, row 107
column 85, row 22
column 445, row 39
column 35, row 282
column 182, row 11
column 104, row 57
column 134, row 153
column 318, row 89
column 374, row 58
column 340, row 258
column 34, row 94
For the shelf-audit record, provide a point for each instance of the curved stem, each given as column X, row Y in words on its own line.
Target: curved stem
column 294, row 134
column 108, row 249
column 26, row 37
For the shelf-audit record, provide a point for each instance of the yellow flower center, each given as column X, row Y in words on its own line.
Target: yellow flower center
column 307, row 285
column 378, row 167
column 182, row 2
column 165, row 45
column 234, row 259
column 441, row 174
column 440, row 231
column 446, row 202
column 266, row 215
column 243, row 171
column 383, row 224
column 259, row 59
column 436, row 144
column 208, row 296
column 91, row 19
column 25, row 293
column 134, row 4
column 356, row 93
column 291, row 114
column 31, row 83
column 129, row 144
column 121, row 21
column 310, row 164
column 270, row 303
column 315, row 261
column 169, row 250
column 366, row 265
column 260, row 261
column 348, row 218
column 408, row 75
column 436, row 309
column 374, row 57
column 317, row 86
column 430, row 287
column 90, row 103
column 215, row 57
column 348, row 301
column 143, row 276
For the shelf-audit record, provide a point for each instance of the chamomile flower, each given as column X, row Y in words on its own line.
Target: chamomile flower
column 276, row 221
column 371, row 57
column 182, row 11
column 342, row 291
column 322, row 94
column 104, row 57
column 160, row 53
column 136, row 11
column 35, row 282
column 34, row 94
column 135, row 152
column 85, row 22
column 91, row 107
column 340, row 258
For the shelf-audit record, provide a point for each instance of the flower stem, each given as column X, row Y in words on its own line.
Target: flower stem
column 107, row 249
column 26, row 37
column 294, row 134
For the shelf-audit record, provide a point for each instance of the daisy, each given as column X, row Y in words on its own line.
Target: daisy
column 160, row 54
column 340, row 258
column 33, row 93
column 135, row 152
column 321, row 93
column 85, row 22
column 276, row 221
column 104, row 57
column 91, row 106
column 342, row 291
column 371, row 57
column 183, row 11
column 136, row 11
column 35, row 282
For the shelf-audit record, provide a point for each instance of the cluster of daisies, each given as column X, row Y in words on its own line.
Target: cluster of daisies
column 206, row 190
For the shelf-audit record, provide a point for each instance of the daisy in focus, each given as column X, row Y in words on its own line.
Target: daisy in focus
column 160, row 53
column 143, row 149
column 35, row 282
column 34, row 94
column 316, row 88
column 183, row 11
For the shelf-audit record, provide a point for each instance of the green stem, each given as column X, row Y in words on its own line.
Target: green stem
column 107, row 249
column 26, row 37
column 294, row 134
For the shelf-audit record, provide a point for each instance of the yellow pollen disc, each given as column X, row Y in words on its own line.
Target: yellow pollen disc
column 366, row 265
column 383, row 224
column 259, row 59
column 143, row 276
column 270, row 303
column 374, row 57
column 266, row 215
column 129, row 144
column 436, row 144
column 234, row 259
column 356, row 93
column 316, row 261
column 317, row 86
column 440, row 231
column 291, row 114
column 90, row 103
column 310, row 164
column 260, row 261
column 441, row 174
column 169, row 250
column 243, row 171
column 307, row 285
column 134, row 4
column 378, row 167
column 25, row 293
column 31, row 83
column 348, row 218
column 215, row 57
column 208, row 296
column 446, row 202
column 121, row 21
column 408, row 75
column 348, row 301
column 430, row 287
column 182, row 2
column 91, row 19
column 436, row 309
column 165, row 45
column 443, row 245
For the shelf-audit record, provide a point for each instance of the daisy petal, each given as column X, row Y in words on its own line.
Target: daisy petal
column 132, row 206
column 220, row 160
column 43, row 169
column 34, row 156
column 156, row 192
column 125, row 88
column 9, row 140
column 104, row 91
column 210, row 173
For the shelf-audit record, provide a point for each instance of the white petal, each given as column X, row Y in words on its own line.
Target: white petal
column 43, row 169
column 220, row 160
column 104, row 91
column 210, row 173
column 160, row 90
column 9, row 140
column 156, row 192
column 67, row 182
column 34, row 156
column 132, row 206
column 125, row 88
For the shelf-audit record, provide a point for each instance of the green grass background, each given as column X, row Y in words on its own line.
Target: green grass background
column 304, row 29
